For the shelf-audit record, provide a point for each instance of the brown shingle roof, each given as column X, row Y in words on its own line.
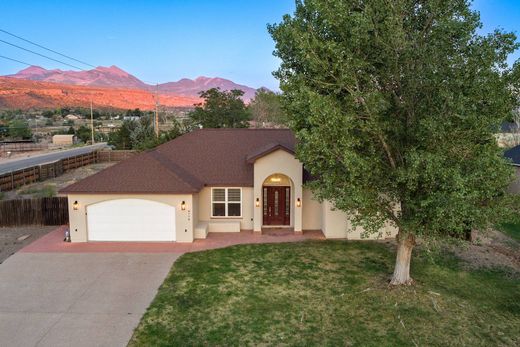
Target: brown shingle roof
column 207, row 157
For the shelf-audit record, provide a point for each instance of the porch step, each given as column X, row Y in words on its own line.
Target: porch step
column 201, row 230
column 224, row 226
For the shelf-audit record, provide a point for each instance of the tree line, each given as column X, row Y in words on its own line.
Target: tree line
column 219, row 109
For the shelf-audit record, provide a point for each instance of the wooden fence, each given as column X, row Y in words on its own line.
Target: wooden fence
column 21, row 146
column 39, row 211
column 15, row 179
column 119, row 155
column 72, row 163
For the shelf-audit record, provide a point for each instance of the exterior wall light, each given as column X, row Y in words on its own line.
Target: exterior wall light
column 75, row 205
column 183, row 205
column 257, row 202
column 298, row 203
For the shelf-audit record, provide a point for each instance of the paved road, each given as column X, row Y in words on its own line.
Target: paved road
column 87, row 299
column 13, row 165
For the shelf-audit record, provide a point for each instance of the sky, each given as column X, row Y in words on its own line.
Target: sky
column 162, row 41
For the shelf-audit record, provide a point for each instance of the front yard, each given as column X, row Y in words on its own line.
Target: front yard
column 329, row 293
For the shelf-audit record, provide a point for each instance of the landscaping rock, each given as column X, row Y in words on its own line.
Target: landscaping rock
column 23, row 237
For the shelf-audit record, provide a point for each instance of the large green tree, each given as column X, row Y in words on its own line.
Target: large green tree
column 19, row 129
column 394, row 104
column 266, row 109
column 122, row 138
column 221, row 109
column 140, row 134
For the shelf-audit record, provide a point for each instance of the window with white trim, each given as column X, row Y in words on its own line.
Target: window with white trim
column 226, row 202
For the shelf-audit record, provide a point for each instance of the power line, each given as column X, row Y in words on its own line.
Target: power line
column 18, row 61
column 48, row 49
column 41, row 55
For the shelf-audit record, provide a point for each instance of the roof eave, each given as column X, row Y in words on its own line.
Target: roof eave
column 252, row 158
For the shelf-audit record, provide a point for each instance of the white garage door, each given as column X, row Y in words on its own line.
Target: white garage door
column 131, row 220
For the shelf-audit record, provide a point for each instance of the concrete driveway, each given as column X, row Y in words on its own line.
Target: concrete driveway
column 82, row 299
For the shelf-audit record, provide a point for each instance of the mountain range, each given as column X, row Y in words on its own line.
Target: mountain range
column 36, row 87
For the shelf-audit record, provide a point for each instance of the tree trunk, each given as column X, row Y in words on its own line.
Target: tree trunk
column 405, row 244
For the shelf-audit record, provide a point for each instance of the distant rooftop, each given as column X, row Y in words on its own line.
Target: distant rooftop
column 514, row 155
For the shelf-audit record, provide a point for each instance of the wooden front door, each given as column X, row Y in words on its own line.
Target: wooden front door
column 277, row 205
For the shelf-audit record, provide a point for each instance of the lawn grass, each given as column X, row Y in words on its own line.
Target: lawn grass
column 511, row 229
column 329, row 293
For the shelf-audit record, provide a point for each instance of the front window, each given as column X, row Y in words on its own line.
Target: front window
column 226, row 202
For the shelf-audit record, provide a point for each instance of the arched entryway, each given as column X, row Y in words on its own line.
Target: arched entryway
column 276, row 200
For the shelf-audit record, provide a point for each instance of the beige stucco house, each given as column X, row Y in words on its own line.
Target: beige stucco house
column 209, row 180
column 513, row 154
column 64, row 139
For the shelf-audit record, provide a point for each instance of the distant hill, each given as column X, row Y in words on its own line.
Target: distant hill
column 189, row 87
column 27, row 94
column 115, row 77
column 99, row 77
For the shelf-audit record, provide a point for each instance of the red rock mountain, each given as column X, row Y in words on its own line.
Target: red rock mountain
column 25, row 94
column 100, row 77
column 115, row 77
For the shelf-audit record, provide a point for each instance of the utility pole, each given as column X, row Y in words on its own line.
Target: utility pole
column 156, row 125
column 91, row 121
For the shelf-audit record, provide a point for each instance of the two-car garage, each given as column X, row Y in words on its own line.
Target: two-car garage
column 130, row 220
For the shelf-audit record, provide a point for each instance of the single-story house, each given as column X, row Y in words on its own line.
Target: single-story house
column 209, row 180
column 509, row 134
column 64, row 139
column 72, row 117
column 514, row 155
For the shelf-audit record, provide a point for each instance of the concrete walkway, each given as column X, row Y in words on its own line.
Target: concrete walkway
column 53, row 242
column 87, row 299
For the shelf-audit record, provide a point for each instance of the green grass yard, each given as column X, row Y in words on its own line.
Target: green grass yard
column 511, row 229
column 331, row 293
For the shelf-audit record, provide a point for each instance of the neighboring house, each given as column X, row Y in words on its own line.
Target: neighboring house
column 514, row 155
column 72, row 117
column 63, row 140
column 107, row 129
column 509, row 134
column 209, row 180
column 132, row 118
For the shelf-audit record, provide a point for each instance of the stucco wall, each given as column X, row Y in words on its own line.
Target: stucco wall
column 195, row 209
column 514, row 187
column 336, row 225
column 246, row 221
column 278, row 162
column 78, row 218
column 311, row 211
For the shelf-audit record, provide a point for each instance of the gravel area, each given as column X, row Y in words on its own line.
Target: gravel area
column 55, row 184
column 13, row 239
column 492, row 249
